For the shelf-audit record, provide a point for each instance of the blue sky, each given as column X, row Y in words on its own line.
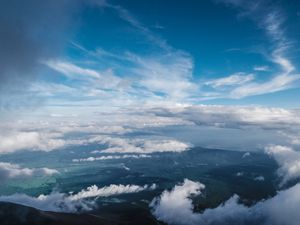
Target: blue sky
column 122, row 53
column 210, row 52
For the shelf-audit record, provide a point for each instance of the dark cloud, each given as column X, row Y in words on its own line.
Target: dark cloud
column 31, row 31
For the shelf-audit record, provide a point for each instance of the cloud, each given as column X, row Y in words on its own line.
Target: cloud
column 232, row 80
column 82, row 201
column 107, row 79
column 94, row 191
column 110, row 157
column 125, row 15
column 30, row 31
column 15, row 141
column 239, row 174
column 116, row 131
column 10, row 171
column 175, row 207
column 54, row 202
column 288, row 160
column 269, row 17
column 247, row 154
column 261, row 68
column 278, row 83
column 234, row 116
column 168, row 74
column 58, row 133
column 143, row 146
column 259, row 178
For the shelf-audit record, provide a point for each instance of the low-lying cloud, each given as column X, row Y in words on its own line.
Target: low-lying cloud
column 175, row 207
column 11, row 171
column 111, row 157
column 288, row 161
column 84, row 200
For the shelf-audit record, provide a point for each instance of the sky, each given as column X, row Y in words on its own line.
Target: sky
column 135, row 78
column 127, row 53
column 170, row 68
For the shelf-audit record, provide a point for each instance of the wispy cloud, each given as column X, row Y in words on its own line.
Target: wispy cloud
column 128, row 17
column 269, row 18
column 232, row 80
column 261, row 68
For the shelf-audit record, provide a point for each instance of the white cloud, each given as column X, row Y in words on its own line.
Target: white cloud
column 82, row 201
column 261, row 68
column 232, row 80
column 94, row 191
column 107, row 79
column 9, row 171
column 116, row 130
column 175, row 207
column 168, row 74
column 109, row 157
column 278, row 83
column 31, row 140
column 143, row 146
column 55, row 202
column 283, row 208
column 70, row 69
column 270, row 19
column 234, row 116
column 288, row 160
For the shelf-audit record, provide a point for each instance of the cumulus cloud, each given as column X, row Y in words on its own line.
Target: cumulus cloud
column 82, row 201
column 8, row 171
column 175, row 207
column 288, row 161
